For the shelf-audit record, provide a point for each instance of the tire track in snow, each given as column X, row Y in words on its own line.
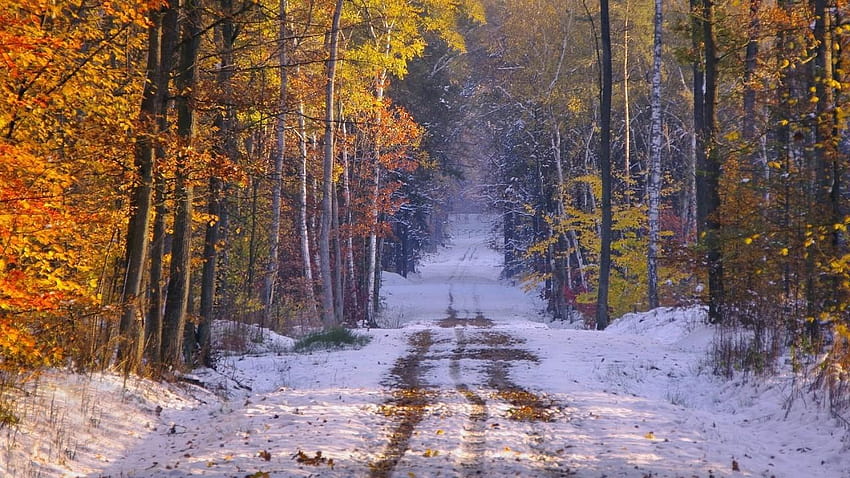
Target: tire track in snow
column 408, row 405
column 529, row 407
column 474, row 440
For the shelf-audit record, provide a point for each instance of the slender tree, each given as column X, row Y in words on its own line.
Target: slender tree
column 654, row 185
column 176, row 349
column 605, row 168
column 329, row 317
column 303, row 229
column 707, row 154
column 271, row 272
column 132, row 299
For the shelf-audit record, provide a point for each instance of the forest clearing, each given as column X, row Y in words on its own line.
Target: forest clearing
column 425, row 238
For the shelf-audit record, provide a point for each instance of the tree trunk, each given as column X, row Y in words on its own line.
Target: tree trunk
column 303, row 230
column 560, row 274
column 605, row 169
column 372, row 251
column 271, row 273
column 748, row 126
column 339, row 273
column 627, row 111
column 822, row 289
column 161, row 43
column 154, row 322
column 708, row 160
column 328, row 309
column 227, row 148
column 176, row 304
column 352, row 290
column 654, row 185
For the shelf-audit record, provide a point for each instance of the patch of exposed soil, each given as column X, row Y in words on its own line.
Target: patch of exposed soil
column 454, row 321
column 495, row 339
column 526, row 406
column 474, row 438
column 474, row 442
column 489, row 355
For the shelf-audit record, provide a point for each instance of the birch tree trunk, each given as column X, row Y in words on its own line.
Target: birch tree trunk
column 560, row 265
column 372, row 252
column 271, row 272
column 654, row 185
column 373, row 270
column 303, row 230
column 338, row 272
column 349, row 252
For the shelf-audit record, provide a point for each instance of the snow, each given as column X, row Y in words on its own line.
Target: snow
column 637, row 400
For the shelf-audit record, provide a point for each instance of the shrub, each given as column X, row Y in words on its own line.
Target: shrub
column 333, row 338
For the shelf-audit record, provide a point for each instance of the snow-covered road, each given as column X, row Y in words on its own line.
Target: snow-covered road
column 472, row 383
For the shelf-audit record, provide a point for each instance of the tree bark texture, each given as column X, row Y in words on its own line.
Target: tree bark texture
column 654, row 184
column 176, row 304
column 328, row 309
column 605, row 169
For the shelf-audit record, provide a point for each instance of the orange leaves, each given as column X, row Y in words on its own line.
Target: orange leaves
column 38, row 264
column 390, row 140
column 394, row 134
column 64, row 104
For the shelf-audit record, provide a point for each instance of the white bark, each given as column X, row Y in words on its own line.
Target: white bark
column 654, row 183
column 303, row 230
column 271, row 272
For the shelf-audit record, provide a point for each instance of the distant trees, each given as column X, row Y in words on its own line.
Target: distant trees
column 738, row 166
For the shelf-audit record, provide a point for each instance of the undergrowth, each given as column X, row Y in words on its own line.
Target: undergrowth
column 333, row 338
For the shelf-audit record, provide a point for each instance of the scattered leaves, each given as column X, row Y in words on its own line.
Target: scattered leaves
column 316, row 460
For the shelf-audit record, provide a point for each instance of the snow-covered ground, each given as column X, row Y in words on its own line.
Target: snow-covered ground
column 437, row 397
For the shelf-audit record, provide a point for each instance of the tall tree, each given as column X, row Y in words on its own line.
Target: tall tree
column 160, row 43
column 654, row 185
column 707, row 153
column 177, row 349
column 271, row 272
column 605, row 232
column 226, row 149
column 154, row 321
column 329, row 316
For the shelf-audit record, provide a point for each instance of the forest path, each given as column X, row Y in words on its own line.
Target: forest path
column 454, row 383
column 453, row 401
column 472, row 383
